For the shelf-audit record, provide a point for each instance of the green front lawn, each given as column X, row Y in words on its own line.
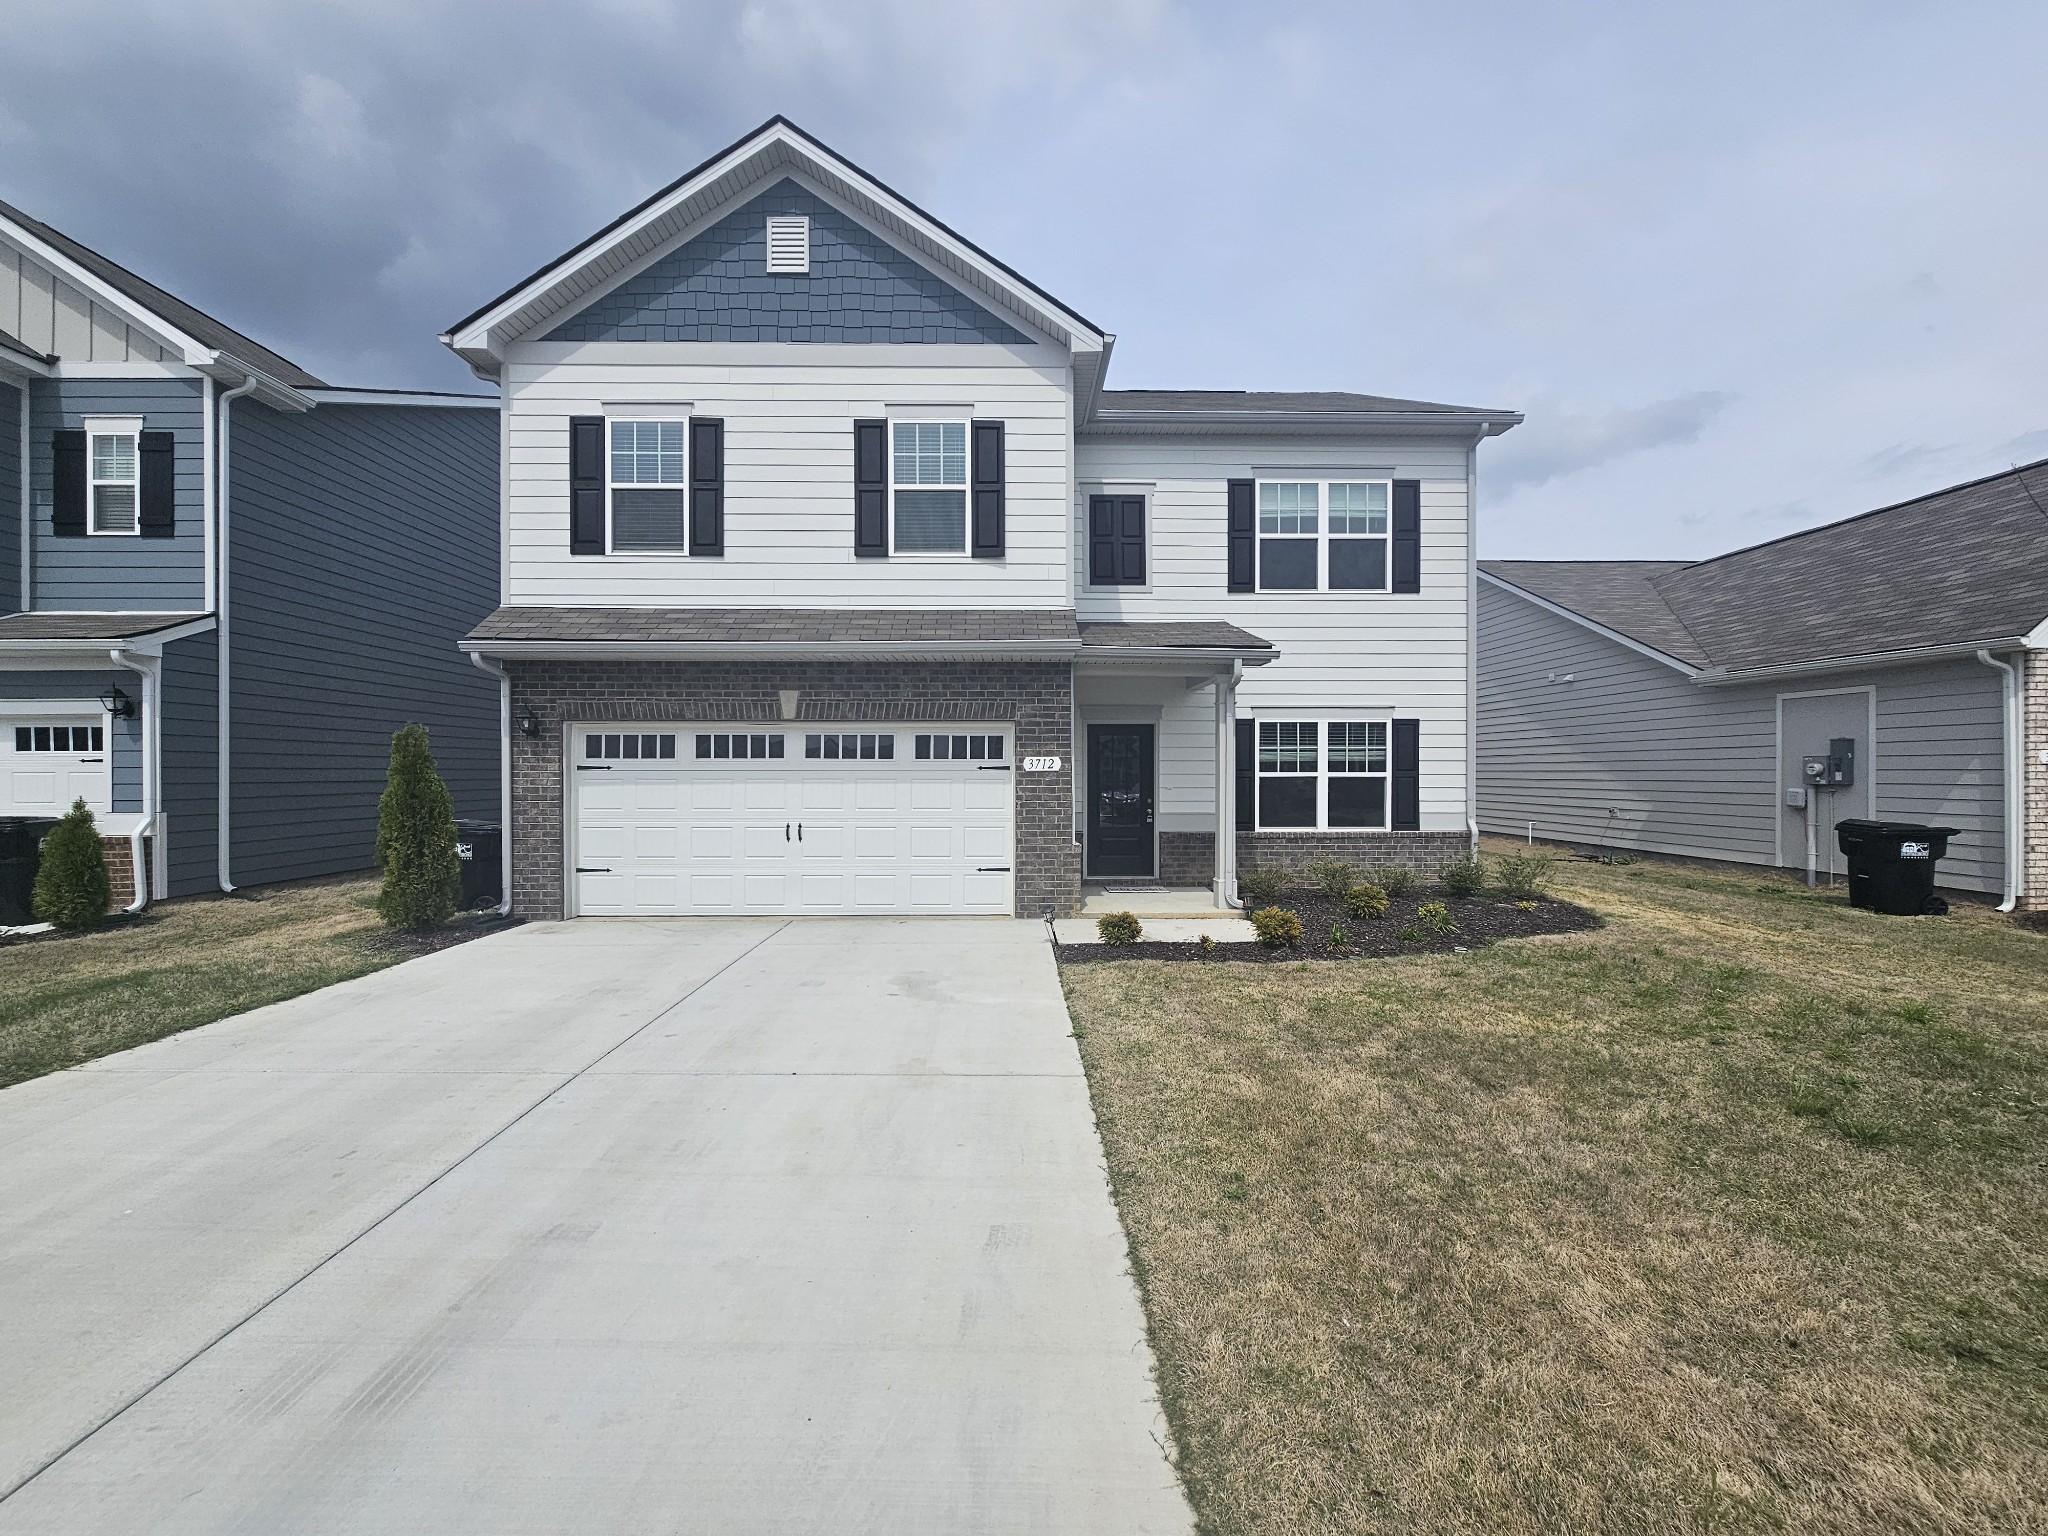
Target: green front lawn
column 1730, row 1216
column 187, row 962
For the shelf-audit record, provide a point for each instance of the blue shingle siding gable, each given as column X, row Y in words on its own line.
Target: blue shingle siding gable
column 717, row 288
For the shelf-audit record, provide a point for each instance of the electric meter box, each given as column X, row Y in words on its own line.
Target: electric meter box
column 1836, row 769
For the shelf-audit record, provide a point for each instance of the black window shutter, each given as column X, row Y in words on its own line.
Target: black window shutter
column 1244, row 538
column 1130, row 540
column 707, row 486
column 988, row 488
column 1407, row 536
column 67, row 485
column 1101, row 540
column 871, row 488
column 586, row 485
column 1116, row 541
column 157, row 514
column 1407, row 776
column 1247, row 766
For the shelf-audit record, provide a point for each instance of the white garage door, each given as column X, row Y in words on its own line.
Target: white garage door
column 675, row 819
column 51, row 760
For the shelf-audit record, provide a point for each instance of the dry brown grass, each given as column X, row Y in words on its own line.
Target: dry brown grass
column 188, row 962
column 1728, row 1217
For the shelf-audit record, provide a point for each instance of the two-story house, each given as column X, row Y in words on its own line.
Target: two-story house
column 223, row 584
column 836, row 580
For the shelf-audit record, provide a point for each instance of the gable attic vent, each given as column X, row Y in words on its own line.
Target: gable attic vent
column 789, row 243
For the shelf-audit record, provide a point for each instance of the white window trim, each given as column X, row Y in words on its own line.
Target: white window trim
column 966, row 423
column 112, row 426
column 1322, row 483
column 1322, row 775
column 614, row 415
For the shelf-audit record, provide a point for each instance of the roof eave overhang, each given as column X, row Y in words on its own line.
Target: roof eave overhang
column 1628, row 642
column 1728, row 677
column 23, row 365
column 1135, row 423
column 233, row 372
column 882, row 650
column 94, row 650
column 480, row 338
column 1203, row 657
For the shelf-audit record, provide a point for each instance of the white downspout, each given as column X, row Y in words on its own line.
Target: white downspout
column 1472, row 639
column 149, row 670
column 504, row 779
column 222, row 545
column 2015, row 771
column 1226, row 786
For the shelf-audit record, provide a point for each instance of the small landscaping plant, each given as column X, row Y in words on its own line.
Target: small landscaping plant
column 1334, row 876
column 1365, row 902
column 1464, row 878
column 1436, row 917
column 71, row 883
column 1339, row 939
column 1206, row 944
column 1260, row 885
column 1118, row 928
column 416, row 838
column 1393, row 879
column 1277, row 927
column 1522, row 876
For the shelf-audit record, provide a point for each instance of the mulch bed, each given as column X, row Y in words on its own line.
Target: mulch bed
column 459, row 929
column 1479, row 921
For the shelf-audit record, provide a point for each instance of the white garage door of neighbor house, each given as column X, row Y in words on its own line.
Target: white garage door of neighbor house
column 681, row 819
column 52, row 760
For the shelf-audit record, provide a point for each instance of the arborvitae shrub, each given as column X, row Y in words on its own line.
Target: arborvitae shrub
column 416, row 838
column 71, row 882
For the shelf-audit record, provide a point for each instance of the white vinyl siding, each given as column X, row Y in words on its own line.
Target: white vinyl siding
column 789, row 411
column 1343, row 655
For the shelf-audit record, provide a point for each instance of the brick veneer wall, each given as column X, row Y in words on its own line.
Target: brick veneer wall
column 120, row 876
column 1035, row 697
column 1189, row 858
column 2034, row 742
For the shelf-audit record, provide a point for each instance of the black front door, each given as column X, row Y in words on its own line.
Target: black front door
column 1119, row 800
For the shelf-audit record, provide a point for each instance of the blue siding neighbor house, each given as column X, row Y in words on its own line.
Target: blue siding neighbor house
column 224, row 583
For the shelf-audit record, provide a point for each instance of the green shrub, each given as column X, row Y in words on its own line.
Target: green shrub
column 1118, row 928
column 1393, row 879
column 1260, row 885
column 1364, row 902
column 1339, row 939
column 1436, row 917
column 1464, row 878
column 1522, row 876
column 1277, row 927
column 1333, row 875
column 416, row 838
column 71, row 882
column 1207, row 945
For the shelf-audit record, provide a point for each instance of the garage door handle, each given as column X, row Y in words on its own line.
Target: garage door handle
column 995, row 767
column 991, row 869
column 785, row 831
column 593, row 767
column 591, row 869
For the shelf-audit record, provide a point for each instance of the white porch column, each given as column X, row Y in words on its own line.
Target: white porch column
column 1226, row 784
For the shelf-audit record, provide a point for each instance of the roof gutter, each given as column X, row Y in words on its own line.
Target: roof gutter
column 2015, row 779
column 1724, row 677
column 1050, row 650
column 1488, row 423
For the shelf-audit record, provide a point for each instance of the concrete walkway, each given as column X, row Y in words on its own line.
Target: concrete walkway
column 718, row 1226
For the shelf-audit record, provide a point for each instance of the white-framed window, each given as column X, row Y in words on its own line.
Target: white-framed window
column 928, row 487
column 113, row 467
column 649, row 487
column 1317, row 775
column 1325, row 535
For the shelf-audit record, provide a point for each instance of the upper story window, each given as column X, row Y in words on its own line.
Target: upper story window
column 1116, row 541
column 649, row 488
column 1322, row 774
column 114, row 477
column 928, row 487
column 1317, row 535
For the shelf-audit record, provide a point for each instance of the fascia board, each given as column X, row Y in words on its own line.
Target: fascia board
column 630, row 650
column 2037, row 637
column 762, row 154
column 1114, row 423
column 1149, row 656
column 190, row 349
column 1726, row 677
column 232, row 371
column 1595, row 626
column 402, row 397
column 19, row 365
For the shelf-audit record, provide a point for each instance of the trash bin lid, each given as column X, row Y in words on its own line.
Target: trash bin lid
column 1862, row 830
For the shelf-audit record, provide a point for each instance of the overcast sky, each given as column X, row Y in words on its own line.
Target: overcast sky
column 1746, row 267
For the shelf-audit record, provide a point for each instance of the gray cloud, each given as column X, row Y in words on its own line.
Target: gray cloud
column 1557, row 442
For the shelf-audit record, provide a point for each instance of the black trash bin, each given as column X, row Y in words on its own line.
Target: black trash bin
column 478, row 845
column 1891, row 865
column 21, row 855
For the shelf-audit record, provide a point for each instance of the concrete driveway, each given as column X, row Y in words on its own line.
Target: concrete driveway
column 714, row 1226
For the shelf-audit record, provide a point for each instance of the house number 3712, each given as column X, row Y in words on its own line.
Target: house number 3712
column 1041, row 765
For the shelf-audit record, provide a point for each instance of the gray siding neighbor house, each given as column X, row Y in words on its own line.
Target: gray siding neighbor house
column 224, row 583
column 1667, row 706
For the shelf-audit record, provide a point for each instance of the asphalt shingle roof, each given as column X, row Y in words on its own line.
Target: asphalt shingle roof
column 1960, row 566
column 195, row 323
column 88, row 626
column 1203, row 634
column 779, row 626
